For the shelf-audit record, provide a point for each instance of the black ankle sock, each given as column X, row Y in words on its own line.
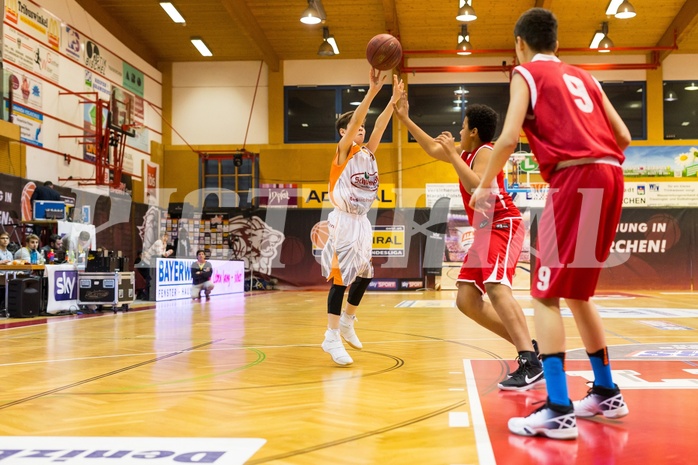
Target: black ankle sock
column 530, row 357
column 569, row 408
column 603, row 391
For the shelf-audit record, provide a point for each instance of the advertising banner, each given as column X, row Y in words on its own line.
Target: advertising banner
column 173, row 278
column 34, row 21
column 151, row 183
column 29, row 122
column 316, row 195
column 24, row 52
column 62, row 288
column 133, row 79
column 26, row 89
column 652, row 250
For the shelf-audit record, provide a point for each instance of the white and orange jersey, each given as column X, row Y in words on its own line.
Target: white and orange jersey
column 353, row 185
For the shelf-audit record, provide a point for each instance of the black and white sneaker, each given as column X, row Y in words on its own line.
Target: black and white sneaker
column 524, row 378
column 555, row 423
column 604, row 401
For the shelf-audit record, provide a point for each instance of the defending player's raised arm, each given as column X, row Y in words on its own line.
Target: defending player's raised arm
column 359, row 116
column 386, row 114
column 467, row 176
column 430, row 146
column 506, row 144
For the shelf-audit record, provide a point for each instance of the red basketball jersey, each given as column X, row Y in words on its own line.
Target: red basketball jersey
column 566, row 118
column 504, row 207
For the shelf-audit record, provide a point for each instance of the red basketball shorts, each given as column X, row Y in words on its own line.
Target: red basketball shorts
column 494, row 253
column 576, row 230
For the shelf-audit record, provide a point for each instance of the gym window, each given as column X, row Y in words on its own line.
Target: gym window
column 228, row 178
column 311, row 112
column 680, row 104
column 441, row 107
column 628, row 98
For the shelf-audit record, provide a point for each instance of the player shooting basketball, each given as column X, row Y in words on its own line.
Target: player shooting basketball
column 346, row 257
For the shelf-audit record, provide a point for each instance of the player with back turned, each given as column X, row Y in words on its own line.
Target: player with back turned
column 578, row 139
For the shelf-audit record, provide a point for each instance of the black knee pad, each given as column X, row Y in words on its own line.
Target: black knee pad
column 335, row 298
column 357, row 289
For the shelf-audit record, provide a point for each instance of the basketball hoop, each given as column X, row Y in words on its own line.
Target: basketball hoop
column 130, row 129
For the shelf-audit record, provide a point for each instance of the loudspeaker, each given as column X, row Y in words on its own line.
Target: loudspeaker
column 24, row 297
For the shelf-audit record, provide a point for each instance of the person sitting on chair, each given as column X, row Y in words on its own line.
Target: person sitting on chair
column 29, row 252
column 5, row 255
column 5, row 259
column 54, row 246
column 201, row 272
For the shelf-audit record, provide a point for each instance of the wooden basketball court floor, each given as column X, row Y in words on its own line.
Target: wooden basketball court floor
column 249, row 372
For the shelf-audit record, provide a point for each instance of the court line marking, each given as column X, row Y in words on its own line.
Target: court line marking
column 482, row 438
column 458, row 420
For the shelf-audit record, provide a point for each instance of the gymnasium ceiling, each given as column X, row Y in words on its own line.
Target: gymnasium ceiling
column 270, row 30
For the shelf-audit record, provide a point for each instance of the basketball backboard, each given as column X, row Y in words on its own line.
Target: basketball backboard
column 121, row 112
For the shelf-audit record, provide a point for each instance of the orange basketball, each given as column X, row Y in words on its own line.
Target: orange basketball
column 384, row 52
column 319, row 234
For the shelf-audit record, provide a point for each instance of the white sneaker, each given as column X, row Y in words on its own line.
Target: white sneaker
column 546, row 422
column 333, row 346
column 346, row 329
column 607, row 402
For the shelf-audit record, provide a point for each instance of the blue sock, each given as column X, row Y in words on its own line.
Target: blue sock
column 555, row 378
column 602, row 368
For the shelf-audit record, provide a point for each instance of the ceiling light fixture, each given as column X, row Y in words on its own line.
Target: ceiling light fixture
column 314, row 14
column 693, row 86
column 625, row 11
column 172, row 12
column 464, row 47
column 671, row 96
column 621, row 9
column 328, row 47
column 333, row 43
column 601, row 41
column 201, row 46
column 466, row 13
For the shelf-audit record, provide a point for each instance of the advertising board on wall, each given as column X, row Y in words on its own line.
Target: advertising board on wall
column 173, row 278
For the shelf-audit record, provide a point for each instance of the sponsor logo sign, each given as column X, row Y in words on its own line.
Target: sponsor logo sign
column 101, row 450
column 173, row 278
column 65, row 285
column 389, row 241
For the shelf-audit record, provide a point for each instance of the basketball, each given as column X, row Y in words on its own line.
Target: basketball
column 319, row 234
column 384, row 52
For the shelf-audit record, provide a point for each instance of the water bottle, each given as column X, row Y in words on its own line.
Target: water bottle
column 51, row 256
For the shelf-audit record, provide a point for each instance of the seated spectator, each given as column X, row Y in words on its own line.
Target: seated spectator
column 5, row 255
column 201, row 272
column 55, row 248
column 5, row 259
column 29, row 252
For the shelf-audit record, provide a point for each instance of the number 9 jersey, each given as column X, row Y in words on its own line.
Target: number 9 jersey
column 566, row 119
